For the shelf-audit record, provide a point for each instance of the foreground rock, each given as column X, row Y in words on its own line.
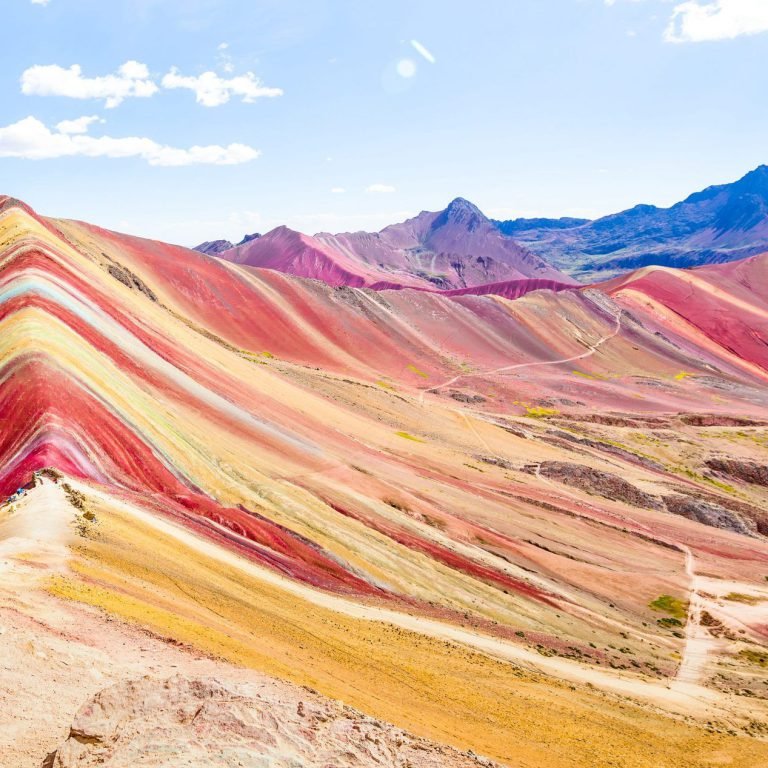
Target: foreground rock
column 201, row 723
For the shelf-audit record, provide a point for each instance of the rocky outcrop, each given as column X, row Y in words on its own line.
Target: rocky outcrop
column 463, row 397
column 212, row 247
column 615, row 450
column 215, row 247
column 747, row 471
column 598, row 482
column 718, row 420
column 708, row 513
column 201, row 723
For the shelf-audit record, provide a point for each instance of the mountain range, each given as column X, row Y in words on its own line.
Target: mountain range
column 455, row 248
column 459, row 247
column 719, row 224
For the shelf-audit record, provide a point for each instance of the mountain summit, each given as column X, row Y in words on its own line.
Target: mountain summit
column 462, row 213
column 458, row 247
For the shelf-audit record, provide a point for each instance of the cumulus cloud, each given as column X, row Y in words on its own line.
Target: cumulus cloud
column 702, row 20
column 380, row 188
column 130, row 80
column 33, row 140
column 211, row 90
column 78, row 125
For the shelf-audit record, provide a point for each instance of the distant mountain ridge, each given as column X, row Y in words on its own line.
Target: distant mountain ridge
column 456, row 248
column 721, row 223
column 513, row 226
column 213, row 247
column 459, row 247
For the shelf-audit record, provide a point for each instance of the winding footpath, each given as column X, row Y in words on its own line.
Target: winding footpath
column 518, row 366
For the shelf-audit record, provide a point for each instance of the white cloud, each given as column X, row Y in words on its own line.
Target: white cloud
column 213, row 91
column 31, row 139
column 697, row 21
column 131, row 80
column 338, row 190
column 39, row 2
column 78, row 125
column 380, row 188
column 425, row 52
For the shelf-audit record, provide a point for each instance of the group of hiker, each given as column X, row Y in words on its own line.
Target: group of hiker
column 37, row 478
column 19, row 494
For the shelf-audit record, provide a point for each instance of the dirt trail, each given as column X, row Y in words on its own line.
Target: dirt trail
column 698, row 640
column 684, row 699
column 518, row 366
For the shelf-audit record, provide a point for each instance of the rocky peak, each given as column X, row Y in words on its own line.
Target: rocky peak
column 755, row 182
column 212, row 247
column 462, row 213
column 248, row 238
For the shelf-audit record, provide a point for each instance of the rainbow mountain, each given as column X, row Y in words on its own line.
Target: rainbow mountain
column 526, row 520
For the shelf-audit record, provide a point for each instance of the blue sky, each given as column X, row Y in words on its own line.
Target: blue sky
column 525, row 107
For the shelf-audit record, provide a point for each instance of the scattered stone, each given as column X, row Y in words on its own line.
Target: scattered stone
column 715, row 420
column 708, row 513
column 463, row 397
column 747, row 471
column 132, row 280
column 496, row 461
column 615, row 450
column 598, row 482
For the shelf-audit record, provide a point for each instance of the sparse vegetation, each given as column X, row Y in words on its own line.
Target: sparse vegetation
column 414, row 369
column 434, row 522
column 675, row 607
column 739, row 597
column 669, row 622
column 538, row 412
column 408, row 436
column 755, row 657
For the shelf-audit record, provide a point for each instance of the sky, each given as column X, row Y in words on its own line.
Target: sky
column 190, row 120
